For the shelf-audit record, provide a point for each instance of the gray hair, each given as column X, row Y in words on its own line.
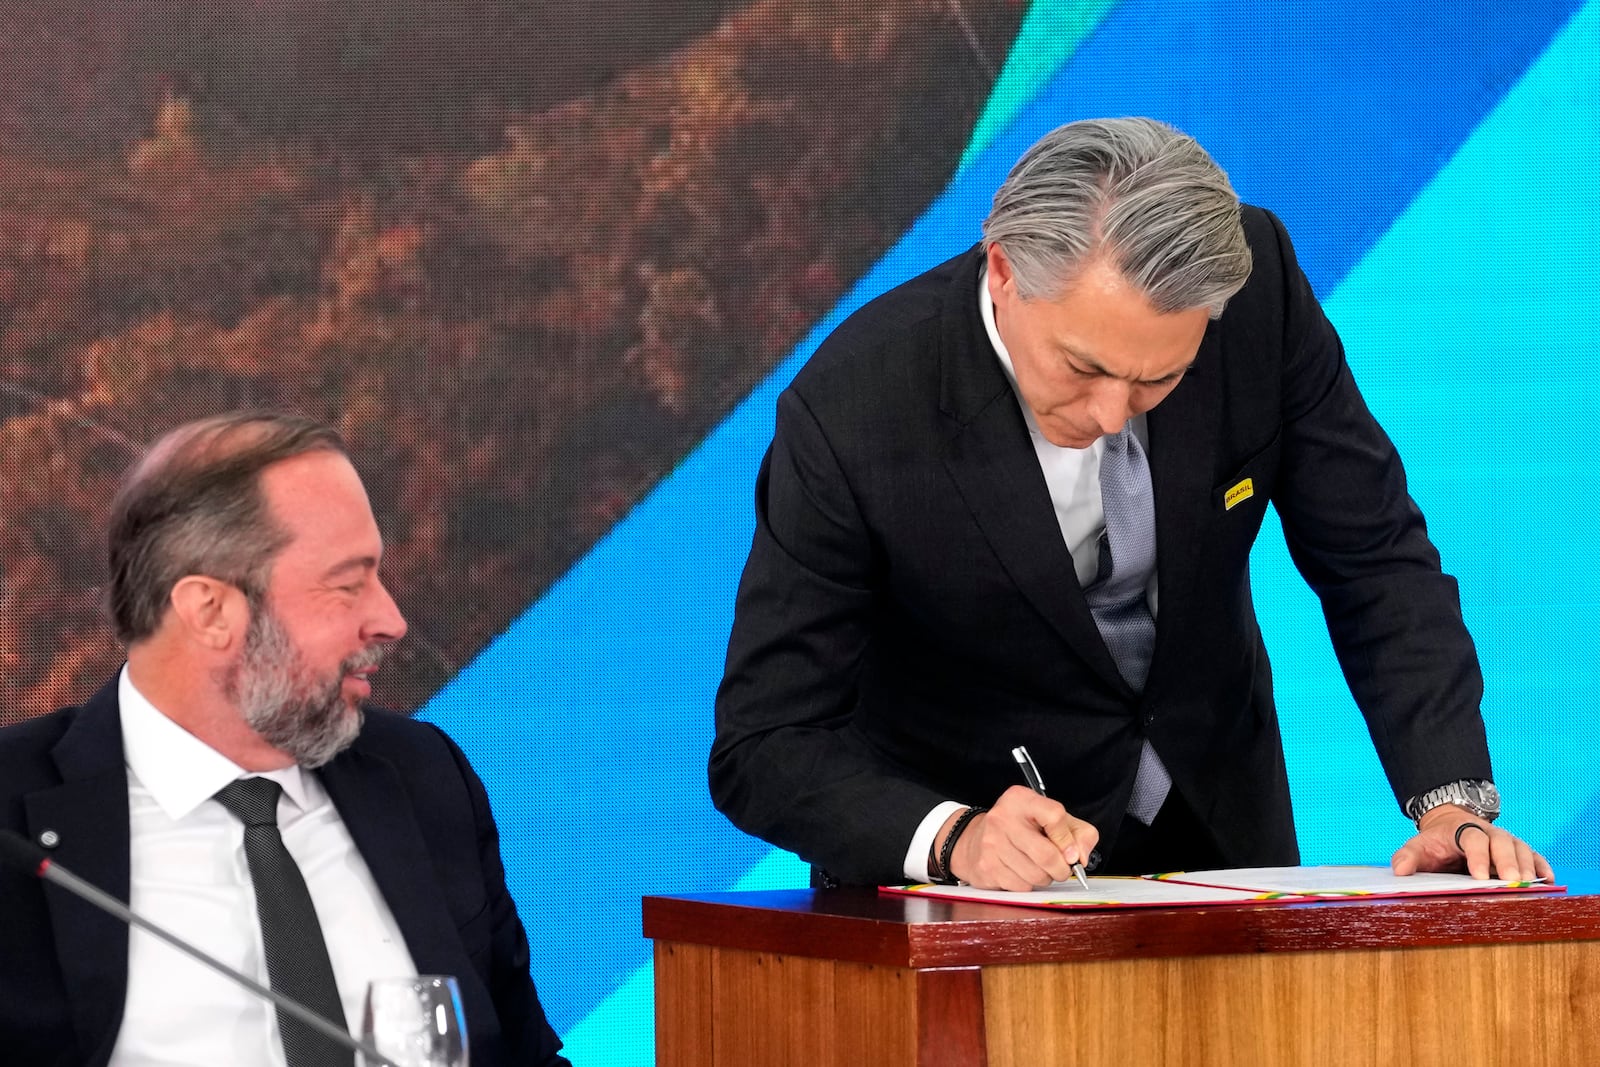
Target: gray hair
column 193, row 505
column 1136, row 191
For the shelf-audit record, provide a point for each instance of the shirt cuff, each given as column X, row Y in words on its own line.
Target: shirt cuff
column 916, row 865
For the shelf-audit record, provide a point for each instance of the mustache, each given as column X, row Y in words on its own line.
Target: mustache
column 371, row 656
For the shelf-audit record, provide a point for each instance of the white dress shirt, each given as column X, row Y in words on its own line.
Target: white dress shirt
column 1073, row 478
column 189, row 875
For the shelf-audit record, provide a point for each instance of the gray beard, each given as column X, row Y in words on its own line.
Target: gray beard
column 306, row 717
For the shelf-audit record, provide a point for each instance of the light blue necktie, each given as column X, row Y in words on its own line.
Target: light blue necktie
column 1117, row 595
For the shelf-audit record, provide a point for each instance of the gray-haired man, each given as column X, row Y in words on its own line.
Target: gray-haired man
column 1012, row 503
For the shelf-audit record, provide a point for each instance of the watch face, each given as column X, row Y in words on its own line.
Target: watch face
column 1483, row 795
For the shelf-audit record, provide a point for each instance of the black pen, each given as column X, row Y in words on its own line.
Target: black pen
column 1031, row 774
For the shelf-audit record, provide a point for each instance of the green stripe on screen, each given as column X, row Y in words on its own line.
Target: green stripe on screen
column 1050, row 33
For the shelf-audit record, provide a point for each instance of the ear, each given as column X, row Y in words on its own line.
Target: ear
column 1001, row 277
column 209, row 611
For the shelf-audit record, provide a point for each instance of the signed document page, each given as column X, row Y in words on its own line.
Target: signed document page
column 1248, row 885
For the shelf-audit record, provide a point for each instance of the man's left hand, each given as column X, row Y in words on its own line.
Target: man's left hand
column 1450, row 838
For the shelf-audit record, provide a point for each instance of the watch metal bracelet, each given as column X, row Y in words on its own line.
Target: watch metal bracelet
column 1477, row 795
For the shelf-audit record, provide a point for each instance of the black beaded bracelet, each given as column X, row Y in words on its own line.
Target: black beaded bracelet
column 943, row 873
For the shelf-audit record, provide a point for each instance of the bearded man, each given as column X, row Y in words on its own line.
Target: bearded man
column 244, row 580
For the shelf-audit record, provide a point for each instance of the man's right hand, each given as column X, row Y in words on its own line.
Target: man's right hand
column 1026, row 841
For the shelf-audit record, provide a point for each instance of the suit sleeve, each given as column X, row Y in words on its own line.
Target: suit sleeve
column 528, row 1036
column 1360, row 542
column 788, row 763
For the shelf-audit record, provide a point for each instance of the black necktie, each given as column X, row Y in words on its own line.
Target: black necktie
column 297, row 958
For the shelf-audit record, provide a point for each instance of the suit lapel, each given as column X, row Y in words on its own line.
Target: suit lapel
column 991, row 460
column 376, row 809
column 1183, row 443
column 88, row 815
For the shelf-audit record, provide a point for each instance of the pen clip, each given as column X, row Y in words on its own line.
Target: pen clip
column 1029, row 771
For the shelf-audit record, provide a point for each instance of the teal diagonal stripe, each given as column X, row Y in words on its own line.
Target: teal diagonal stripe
column 1049, row 34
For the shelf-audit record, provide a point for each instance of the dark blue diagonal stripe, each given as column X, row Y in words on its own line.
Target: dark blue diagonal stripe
column 1333, row 114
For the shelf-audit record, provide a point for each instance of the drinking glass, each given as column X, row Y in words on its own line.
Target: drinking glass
column 416, row 1022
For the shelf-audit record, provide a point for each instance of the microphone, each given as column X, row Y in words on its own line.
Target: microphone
column 17, row 851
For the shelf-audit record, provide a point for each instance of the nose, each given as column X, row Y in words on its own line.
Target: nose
column 1110, row 404
column 386, row 624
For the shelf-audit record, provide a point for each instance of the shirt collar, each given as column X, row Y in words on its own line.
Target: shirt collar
column 986, row 312
column 180, row 770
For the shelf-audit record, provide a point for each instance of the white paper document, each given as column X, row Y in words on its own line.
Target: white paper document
column 1339, row 881
column 1246, row 885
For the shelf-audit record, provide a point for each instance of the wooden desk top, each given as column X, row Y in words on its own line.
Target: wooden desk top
column 864, row 926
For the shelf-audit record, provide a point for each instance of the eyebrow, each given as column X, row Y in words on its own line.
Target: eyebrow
column 355, row 563
column 1094, row 365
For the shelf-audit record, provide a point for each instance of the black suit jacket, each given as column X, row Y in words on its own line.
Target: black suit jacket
column 909, row 611
column 414, row 807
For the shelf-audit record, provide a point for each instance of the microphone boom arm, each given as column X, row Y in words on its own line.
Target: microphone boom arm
column 19, row 848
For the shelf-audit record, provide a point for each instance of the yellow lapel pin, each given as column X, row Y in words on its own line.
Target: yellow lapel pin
column 1238, row 494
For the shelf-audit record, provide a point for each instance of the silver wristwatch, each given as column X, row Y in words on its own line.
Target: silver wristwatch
column 1477, row 795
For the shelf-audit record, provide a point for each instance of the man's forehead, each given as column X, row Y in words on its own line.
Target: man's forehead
column 316, row 471
column 319, row 493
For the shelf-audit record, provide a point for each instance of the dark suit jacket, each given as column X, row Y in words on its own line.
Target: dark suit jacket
column 909, row 611
column 416, row 810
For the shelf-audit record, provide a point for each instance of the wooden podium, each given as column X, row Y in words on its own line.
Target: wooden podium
column 850, row 977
